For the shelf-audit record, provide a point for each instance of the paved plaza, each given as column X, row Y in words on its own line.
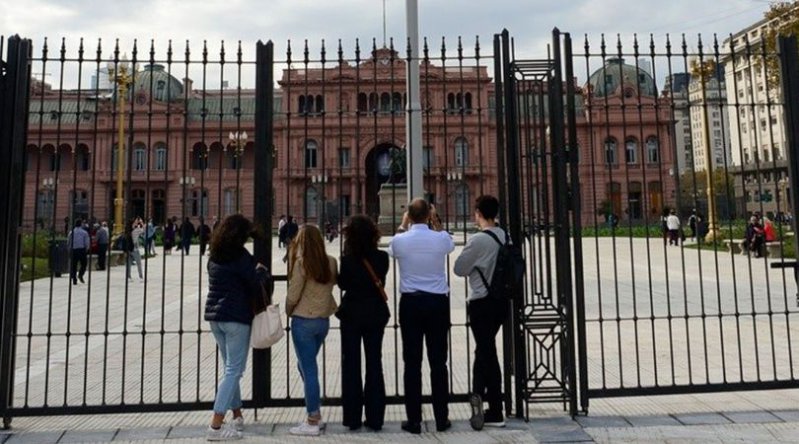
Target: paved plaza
column 112, row 340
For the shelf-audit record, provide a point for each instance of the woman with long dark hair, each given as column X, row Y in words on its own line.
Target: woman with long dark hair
column 364, row 314
column 234, row 278
column 310, row 303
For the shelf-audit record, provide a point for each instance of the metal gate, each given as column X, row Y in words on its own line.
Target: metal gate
column 535, row 130
column 601, row 163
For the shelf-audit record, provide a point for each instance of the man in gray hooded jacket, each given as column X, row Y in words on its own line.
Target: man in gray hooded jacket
column 486, row 313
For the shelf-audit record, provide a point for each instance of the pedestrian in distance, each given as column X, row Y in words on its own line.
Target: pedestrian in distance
column 169, row 236
column 486, row 312
column 103, row 238
column 421, row 251
column 204, row 234
column 234, row 279
column 79, row 243
column 187, row 233
column 673, row 227
column 309, row 304
column 364, row 314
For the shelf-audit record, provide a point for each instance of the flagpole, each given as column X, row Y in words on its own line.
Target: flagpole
column 413, row 125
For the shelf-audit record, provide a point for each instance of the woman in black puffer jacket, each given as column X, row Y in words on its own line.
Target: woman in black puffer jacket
column 234, row 278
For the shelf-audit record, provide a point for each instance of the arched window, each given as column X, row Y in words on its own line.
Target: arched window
column 139, row 157
column 80, row 204
column 55, row 160
column 652, row 150
column 160, row 157
column 610, row 151
column 138, row 201
column 451, row 102
column 462, row 201
column 396, row 102
column 311, row 203
column 199, row 157
column 461, row 152
column 310, row 153
column 385, row 102
column 301, row 104
column 320, row 104
column 362, row 103
column 468, row 102
column 631, row 151
column 83, row 160
column 374, row 102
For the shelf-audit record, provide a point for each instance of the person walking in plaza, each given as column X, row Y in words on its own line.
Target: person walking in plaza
column 424, row 316
column 79, row 243
column 102, row 245
column 149, row 238
column 187, row 233
column 204, row 233
column 133, row 236
column 234, row 278
column 673, row 225
column 363, row 314
column 281, row 240
column 169, row 236
column 309, row 304
column 486, row 313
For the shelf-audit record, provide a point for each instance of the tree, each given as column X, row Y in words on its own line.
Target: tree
column 783, row 18
column 693, row 187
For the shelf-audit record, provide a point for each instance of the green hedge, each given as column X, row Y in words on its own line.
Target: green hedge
column 27, row 272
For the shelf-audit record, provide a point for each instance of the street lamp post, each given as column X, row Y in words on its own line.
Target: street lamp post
column 122, row 78
column 187, row 181
column 704, row 71
column 238, row 140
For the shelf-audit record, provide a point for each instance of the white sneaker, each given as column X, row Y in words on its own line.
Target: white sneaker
column 305, row 429
column 238, row 423
column 221, row 434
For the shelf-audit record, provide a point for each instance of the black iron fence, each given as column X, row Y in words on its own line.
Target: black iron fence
column 181, row 136
column 643, row 276
column 679, row 293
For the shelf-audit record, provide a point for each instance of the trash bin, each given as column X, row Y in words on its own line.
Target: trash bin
column 58, row 259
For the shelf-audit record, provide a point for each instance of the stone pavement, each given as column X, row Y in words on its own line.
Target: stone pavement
column 112, row 341
column 546, row 426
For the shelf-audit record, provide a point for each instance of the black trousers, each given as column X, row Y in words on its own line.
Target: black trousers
column 354, row 393
column 78, row 257
column 486, row 317
column 101, row 252
column 424, row 318
column 202, row 248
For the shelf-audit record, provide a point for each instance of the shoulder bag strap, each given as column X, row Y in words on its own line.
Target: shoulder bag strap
column 375, row 279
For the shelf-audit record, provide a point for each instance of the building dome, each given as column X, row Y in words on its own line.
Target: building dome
column 165, row 88
column 609, row 78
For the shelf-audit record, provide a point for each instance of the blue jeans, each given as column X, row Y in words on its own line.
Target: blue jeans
column 233, row 340
column 308, row 336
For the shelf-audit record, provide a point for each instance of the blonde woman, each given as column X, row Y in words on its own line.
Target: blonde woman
column 310, row 303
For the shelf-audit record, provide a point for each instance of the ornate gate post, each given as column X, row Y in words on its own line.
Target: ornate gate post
column 14, row 92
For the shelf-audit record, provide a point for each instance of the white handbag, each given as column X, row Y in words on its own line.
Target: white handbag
column 267, row 328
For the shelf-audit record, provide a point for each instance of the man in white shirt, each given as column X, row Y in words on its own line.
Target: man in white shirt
column 673, row 225
column 424, row 310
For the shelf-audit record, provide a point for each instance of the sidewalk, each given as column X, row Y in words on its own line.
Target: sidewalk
column 549, row 425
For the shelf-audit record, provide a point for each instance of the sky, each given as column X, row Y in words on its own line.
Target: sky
column 530, row 22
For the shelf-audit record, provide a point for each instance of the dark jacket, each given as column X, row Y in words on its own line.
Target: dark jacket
column 231, row 288
column 361, row 302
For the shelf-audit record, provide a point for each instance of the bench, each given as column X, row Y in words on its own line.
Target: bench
column 113, row 257
column 735, row 246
